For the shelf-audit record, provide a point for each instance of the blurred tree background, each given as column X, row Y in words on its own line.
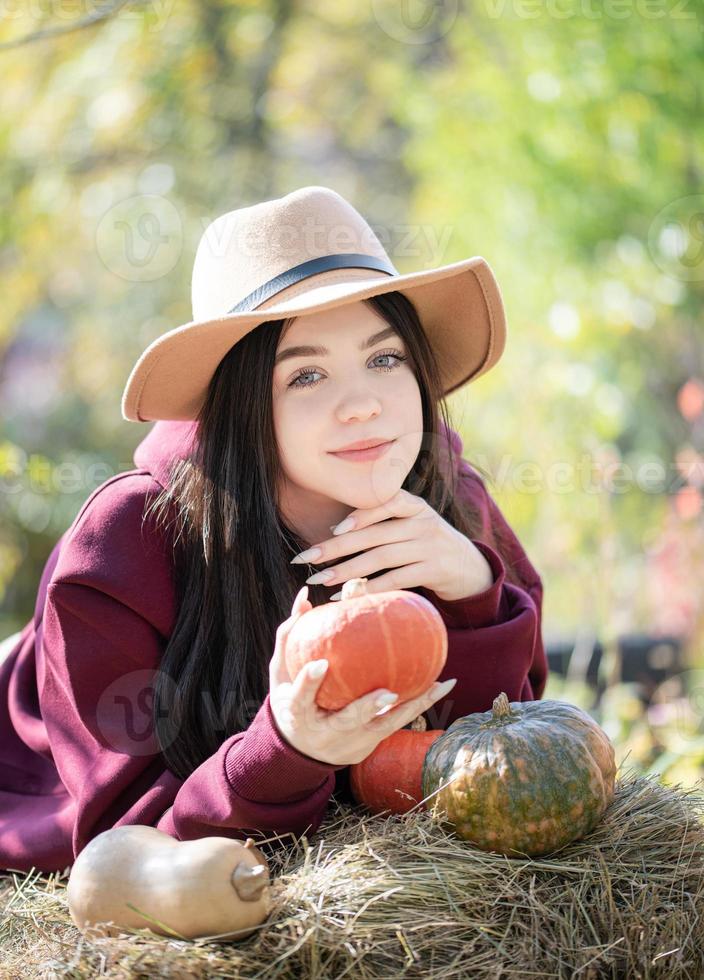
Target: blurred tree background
column 563, row 140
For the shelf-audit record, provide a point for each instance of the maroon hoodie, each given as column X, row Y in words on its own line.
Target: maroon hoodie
column 78, row 754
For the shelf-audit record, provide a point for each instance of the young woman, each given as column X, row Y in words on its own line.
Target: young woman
column 149, row 687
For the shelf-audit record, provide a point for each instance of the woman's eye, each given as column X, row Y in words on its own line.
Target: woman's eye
column 400, row 358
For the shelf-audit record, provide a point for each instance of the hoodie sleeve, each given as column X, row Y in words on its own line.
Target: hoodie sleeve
column 106, row 621
column 495, row 639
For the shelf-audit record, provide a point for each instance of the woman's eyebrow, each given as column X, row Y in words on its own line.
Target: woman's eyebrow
column 304, row 351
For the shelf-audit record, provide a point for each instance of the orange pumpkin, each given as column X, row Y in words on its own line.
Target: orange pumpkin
column 395, row 640
column 390, row 776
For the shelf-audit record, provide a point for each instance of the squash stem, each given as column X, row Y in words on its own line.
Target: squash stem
column 249, row 882
column 354, row 587
column 501, row 708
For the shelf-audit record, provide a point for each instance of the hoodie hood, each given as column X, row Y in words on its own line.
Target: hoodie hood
column 169, row 440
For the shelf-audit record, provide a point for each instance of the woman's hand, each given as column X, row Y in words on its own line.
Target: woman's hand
column 417, row 544
column 341, row 737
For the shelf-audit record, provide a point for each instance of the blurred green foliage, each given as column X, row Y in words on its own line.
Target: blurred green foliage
column 563, row 141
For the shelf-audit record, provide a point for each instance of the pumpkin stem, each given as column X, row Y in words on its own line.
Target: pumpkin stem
column 249, row 882
column 501, row 708
column 354, row 587
column 419, row 724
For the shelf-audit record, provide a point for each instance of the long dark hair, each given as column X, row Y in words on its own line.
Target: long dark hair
column 232, row 550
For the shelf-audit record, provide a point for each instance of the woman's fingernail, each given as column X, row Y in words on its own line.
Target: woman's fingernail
column 317, row 668
column 385, row 699
column 338, row 595
column 320, row 577
column 310, row 555
column 446, row 686
column 343, row 526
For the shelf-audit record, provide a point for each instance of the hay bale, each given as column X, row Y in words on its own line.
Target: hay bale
column 379, row 897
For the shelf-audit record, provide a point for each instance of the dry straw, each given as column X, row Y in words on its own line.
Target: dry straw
column 402, row 896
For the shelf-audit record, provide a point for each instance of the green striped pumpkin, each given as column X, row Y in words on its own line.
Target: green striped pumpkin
column 525, row 778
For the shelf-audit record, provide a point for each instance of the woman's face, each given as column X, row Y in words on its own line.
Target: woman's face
column 324, row 401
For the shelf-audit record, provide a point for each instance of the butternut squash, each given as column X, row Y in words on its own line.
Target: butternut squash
column 139, row 877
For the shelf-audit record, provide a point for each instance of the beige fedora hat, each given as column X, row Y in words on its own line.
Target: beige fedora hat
column 307, row 251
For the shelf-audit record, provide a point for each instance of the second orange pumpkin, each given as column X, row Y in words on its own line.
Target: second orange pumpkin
column 390, row 777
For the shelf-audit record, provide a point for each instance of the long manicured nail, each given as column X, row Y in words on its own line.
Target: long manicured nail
column 301, row 597
column 338, row 595
column 320, row 577
column 388, row 698
column 445, row 687
column 317, row 668
column 310, row 555
column 343, row 526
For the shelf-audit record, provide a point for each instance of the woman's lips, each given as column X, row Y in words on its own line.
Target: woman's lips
column 365, row 455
